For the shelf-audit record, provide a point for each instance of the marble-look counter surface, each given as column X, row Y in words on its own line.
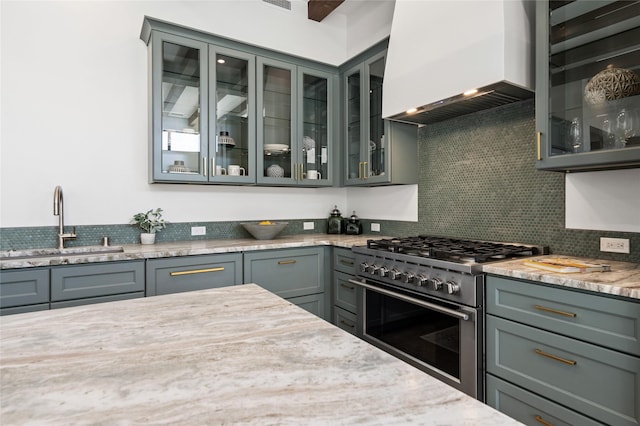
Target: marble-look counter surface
column 184, row 248
column 224, row 356
column 622, row 280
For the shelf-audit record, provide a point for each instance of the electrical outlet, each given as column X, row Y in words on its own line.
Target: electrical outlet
column 375, row 227
column 307, row 226
column 198, row 230
column 614, row 245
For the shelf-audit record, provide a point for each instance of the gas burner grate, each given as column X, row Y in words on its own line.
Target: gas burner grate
column 451, row 249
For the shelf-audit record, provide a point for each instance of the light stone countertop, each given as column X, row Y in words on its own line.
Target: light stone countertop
column 189, row 248
column 622, row 280
column 234, row 355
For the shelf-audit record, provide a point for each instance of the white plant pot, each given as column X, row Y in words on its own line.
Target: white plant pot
column 147, row 238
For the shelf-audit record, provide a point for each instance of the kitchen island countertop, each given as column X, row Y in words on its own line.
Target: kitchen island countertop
column 224, row 356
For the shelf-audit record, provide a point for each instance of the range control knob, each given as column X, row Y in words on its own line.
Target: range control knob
column 395, row 274
column 436, row 284
column 383, row 271
column 408, row 277
column 452, row 287
column 422, row 281
column 373, row 269
column 364, row 266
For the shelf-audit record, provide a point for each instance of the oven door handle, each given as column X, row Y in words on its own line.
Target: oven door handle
column 409, row 299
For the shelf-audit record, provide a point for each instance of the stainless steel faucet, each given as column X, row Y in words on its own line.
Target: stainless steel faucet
column 58, row 210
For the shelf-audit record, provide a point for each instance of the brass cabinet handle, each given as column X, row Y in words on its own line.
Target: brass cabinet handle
column 555, row 311
column 286, row 262
column 347, row 324
column 364, row 170
column 347, row 286
column 213, row 166
column 196, row 271
column 347, row 262
column 301, row 174
column 555, row 357
column 204, row 166
column 539, row 419
column 360, row 170
column 539, row 137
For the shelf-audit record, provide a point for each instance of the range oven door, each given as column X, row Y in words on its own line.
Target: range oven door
column 443, row 339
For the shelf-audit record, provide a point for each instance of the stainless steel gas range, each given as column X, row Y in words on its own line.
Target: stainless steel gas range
column 422, row 300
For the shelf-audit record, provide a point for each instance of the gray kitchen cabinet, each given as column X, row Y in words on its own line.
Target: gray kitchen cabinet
column 344, row 294
column 188, row 273
column 587, row 115
column 376, row 151
column 296, row 129
column 313, row 303
column 573, row 350
column 289, row 273
column 90, row 281
column 24, row 290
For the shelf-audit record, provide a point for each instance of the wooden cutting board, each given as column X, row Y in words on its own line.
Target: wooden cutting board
column 566, row 265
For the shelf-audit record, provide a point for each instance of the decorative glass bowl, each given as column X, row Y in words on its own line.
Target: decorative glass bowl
column 265, row 230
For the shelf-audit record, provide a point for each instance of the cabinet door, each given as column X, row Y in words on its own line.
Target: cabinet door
column 344, row 260
column 98, row 279
column 354, row 120
column 287, row 273
column 93, row 300
column 345, row 320
column 314, row 142
column 587, row 120
column 373, row 147
column 232, row 117
column 344, row 293
column 276, row 122
column 24, row 287
column 179, row 92
column 313, row 303
column 178, row 274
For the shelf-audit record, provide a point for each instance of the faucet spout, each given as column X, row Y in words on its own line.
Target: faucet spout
column 58, row 210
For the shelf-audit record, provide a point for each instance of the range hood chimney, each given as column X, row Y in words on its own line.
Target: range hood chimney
column 440, row 51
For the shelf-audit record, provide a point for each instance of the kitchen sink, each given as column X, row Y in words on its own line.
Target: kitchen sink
column 54, row 252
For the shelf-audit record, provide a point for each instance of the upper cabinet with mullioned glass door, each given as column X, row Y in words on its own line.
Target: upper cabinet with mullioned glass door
column 295, row 124
column 588, row 85
column 377, row 151
column 203, row 120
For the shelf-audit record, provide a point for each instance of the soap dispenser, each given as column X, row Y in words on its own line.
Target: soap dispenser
column 335, row 222
column 354, row 227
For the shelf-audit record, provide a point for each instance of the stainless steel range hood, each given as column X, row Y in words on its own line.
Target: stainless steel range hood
column 441, row 50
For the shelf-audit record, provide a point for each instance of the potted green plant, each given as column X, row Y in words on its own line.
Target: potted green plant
column 150, row 223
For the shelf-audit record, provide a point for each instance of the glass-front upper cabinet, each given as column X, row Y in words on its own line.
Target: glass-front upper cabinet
column 294, row 124
column 179, row 94
column 588, row 85
column 377, row 151
column 232, row 117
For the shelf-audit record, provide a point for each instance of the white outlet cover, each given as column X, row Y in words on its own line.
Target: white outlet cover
column 198, row 230
column 308, row 226
column 375, row 227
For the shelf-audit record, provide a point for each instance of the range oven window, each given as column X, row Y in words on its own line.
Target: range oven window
column 431, row 337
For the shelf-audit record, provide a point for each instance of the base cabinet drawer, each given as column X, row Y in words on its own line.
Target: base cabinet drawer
column 23, row 287
column 95, row 280
column 529, row 408
column 287, row 273
column 189, row 273
column 599, row 383
column 344, row 292
column 313, row 303
column 344, row 260
column 92, row 300
column 345, row 320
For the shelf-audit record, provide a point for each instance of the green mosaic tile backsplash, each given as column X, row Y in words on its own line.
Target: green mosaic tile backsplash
column 477, row 180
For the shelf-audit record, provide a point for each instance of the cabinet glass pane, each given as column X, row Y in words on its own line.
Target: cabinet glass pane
column 315, row 126
column 232, row 115
column 375, row 153
column 594, row 102
column 276, row 115
column 180, row 109
column 354, row 103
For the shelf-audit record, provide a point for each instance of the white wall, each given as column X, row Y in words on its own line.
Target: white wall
column 74, row 111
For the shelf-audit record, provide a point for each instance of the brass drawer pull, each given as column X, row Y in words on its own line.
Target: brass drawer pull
column 347, row 324
column 539, row 419
column 348, row 287
column 197, row 271
column 347, row 262
column 555, row 311
column 557, row 358
column 286, row 262
column 539, row 134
